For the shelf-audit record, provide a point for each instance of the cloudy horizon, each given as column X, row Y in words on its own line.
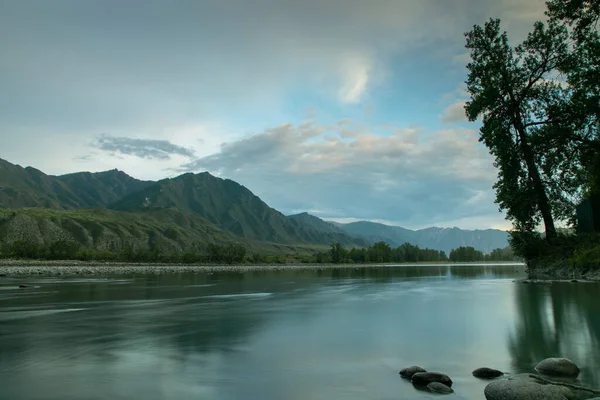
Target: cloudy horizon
column 347, row 109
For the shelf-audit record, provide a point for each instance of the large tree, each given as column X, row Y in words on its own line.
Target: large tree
column 582, row 71
column 514, row 90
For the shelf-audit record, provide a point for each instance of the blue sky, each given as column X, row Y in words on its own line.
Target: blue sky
column 344, row 108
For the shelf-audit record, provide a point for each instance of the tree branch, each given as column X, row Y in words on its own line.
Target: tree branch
column 548, row 121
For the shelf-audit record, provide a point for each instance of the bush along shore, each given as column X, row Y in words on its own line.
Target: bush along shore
column 566, row 256
column 239, row 253
column 555, row 379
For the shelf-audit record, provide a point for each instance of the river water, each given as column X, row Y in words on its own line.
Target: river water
column 300, row 334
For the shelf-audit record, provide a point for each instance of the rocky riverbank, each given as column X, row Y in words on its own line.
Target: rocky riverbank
column 66, row 268
column 560, row 271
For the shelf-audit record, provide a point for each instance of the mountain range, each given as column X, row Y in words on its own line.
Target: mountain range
column 105, row 209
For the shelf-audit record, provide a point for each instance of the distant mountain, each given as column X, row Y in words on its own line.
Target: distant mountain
column 450, row 238
column 374, row 232
column 230, row 206
column 444, row 239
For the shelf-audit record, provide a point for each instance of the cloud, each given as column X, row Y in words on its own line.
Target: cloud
column 454, row 113
column 161, row 63
column 142, row 148
column 404, row 175
column 356, row 79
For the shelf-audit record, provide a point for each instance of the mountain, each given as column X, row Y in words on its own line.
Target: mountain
column 218, row 207
column 316, row 223
column 374, row 232
column 230, row 206
column 28, row 187
column 102, row 188
column 444, row 239
column 450, row 238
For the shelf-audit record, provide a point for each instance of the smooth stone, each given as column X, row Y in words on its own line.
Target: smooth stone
column 518, row 389
column 557, row 367
column 523, row 377
column 410, row 371
column 425, row 378
column 486, row 372
column 437, row 387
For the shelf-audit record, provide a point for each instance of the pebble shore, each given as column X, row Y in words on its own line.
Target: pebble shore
column 57, row 268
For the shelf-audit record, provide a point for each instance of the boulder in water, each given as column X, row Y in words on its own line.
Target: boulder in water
column 557, row 367
column 425, row 378
column 487, row 373
column 437, row 387
column 410, row 371
column 518, row 389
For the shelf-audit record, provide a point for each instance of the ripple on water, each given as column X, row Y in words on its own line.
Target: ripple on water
column 13, row 315
column 238, row 295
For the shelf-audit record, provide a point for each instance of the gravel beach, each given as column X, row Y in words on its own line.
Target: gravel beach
column 57, row 268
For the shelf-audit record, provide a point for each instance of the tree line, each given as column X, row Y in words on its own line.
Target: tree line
column 381, row 252
column 236, row 253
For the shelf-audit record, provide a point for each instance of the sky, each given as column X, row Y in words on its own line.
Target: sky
column 346, row 109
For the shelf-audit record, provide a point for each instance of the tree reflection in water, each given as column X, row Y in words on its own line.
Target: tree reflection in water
column 558, row 319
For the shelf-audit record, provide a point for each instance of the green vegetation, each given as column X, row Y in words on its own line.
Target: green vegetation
column 381, row 252
column 539, row 103
column 71, row 250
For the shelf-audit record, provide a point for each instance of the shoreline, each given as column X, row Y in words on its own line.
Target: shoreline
column 71, row 267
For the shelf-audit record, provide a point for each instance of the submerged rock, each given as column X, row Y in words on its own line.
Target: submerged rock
column 486, row 372
column 437, row 387
column 518, row 389
column 425, row 378
column 557, row 367
column 410, row 371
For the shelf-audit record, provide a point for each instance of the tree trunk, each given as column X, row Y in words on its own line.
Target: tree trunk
column 538, row 186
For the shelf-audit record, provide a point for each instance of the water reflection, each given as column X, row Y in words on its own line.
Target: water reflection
column 297, row 334
column 558, row 319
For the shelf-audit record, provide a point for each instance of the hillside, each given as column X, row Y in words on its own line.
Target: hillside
column 230, row 206
column 169, row 230
column 444, row 239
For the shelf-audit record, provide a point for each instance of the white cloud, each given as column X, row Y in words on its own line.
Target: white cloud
column 404, row 175
column 355, row 80
column 454, row 113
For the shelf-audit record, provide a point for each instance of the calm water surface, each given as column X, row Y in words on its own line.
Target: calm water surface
column 330, row 334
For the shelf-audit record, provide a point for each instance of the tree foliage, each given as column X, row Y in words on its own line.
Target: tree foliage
column 381, row 252
column 539, row 103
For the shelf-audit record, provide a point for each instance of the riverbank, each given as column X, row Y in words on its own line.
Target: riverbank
column 560, row 271
column 70, row 267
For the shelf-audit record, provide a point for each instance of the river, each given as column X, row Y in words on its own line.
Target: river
column 298, row 334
